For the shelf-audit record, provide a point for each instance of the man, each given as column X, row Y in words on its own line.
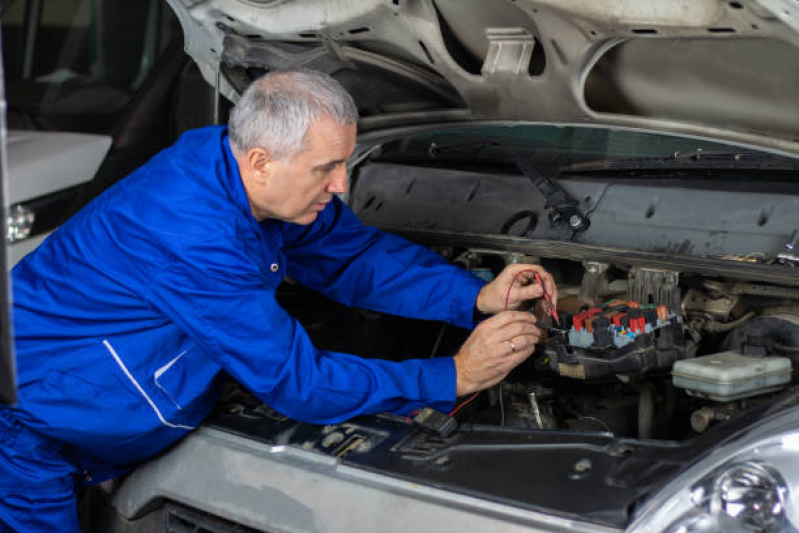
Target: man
column 125, row 317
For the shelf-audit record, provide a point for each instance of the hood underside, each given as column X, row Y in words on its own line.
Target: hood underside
column 718, row 69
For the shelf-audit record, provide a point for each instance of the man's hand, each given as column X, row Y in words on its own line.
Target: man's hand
column 495, row 347
column 522, row 286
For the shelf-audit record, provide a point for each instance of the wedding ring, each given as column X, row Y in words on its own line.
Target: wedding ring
column 512, row 347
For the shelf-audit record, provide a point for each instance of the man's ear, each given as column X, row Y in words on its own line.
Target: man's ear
column 259, row 164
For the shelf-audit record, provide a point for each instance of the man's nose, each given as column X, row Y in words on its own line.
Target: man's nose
column 339, row 182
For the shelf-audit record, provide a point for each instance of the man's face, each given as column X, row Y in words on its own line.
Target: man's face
column 296, row 190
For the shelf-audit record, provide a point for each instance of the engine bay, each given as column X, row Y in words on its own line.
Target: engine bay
column 638, row 352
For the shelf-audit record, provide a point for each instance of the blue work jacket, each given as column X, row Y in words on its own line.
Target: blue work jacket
column 125, row 316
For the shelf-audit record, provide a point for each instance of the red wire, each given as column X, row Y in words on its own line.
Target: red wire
column 510, row 287
column 412, row 413
column 507, row 301
column 472, row 397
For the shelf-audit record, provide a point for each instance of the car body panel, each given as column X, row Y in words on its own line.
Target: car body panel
column 281, row 488
column 672, row 66
column 273, row 474
column 45, row 163
column 42, row 162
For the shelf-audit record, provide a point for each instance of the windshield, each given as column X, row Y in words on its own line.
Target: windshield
column 553, row 147
column 73, row 65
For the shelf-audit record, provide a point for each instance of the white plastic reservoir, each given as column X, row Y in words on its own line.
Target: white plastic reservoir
column 728, row 376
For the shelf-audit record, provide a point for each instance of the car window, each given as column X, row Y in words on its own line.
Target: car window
column 73, row 65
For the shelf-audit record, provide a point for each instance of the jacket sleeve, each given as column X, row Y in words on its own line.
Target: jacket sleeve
column 222, row 301
column 364, row 267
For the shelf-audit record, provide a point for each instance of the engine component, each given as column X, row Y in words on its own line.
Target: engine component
column 542, row 414
column 594, row 281
column 760, row 289
column 791, row 254
column 531, row 406
column 658, row 287
column 781, row 331
column 646, row 411
column 435, row 421
column 718, row 308
column 618, row 338
column 702, row 418
column 729, row 376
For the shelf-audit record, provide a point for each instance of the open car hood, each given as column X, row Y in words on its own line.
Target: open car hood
column 718, row 69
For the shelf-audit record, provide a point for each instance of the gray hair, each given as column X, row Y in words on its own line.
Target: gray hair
column 276, row 110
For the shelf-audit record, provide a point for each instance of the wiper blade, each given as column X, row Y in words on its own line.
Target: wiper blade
column 689, row 160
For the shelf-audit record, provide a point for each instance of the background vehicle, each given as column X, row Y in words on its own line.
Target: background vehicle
column 113, row 72
column 634, row 150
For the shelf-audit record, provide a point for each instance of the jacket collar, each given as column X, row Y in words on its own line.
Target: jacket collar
column 231, row 177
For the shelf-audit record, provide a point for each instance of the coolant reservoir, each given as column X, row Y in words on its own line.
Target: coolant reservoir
column 729, row 376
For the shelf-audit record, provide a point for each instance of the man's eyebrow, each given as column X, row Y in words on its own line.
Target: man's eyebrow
column 329, row 164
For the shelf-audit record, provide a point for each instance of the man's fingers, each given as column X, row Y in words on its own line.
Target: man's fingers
column 495, row 347
column 528, row 292
column 504, row 318
column 518, row 329
column 550, row 287
column 527, row 286
column 517, row 358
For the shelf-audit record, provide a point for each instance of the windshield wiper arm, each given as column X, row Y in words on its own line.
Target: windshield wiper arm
column 563, row 208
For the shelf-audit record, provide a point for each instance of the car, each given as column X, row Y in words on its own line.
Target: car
column 646, row 154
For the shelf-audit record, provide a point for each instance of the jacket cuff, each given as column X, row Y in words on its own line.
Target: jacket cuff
column 438, row 383
column 464, row 300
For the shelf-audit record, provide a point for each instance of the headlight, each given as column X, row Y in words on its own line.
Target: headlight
column 19, row 223
column 746, row 496
column 750, row 485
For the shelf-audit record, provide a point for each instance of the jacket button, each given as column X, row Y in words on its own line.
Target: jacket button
column 274, row 267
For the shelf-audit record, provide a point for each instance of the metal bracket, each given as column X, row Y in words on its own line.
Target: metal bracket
column 593, row 282
column 509, row 51
column 791, row 256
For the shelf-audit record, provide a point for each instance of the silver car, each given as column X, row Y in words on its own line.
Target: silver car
column 647, row 154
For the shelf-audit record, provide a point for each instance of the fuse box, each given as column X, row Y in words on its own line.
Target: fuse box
column 619, row 337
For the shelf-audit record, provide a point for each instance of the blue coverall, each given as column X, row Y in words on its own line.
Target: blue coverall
column 125, row 316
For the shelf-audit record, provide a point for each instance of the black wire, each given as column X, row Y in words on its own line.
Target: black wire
column 601, row 199
column 438, row 339
column 501, row 407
